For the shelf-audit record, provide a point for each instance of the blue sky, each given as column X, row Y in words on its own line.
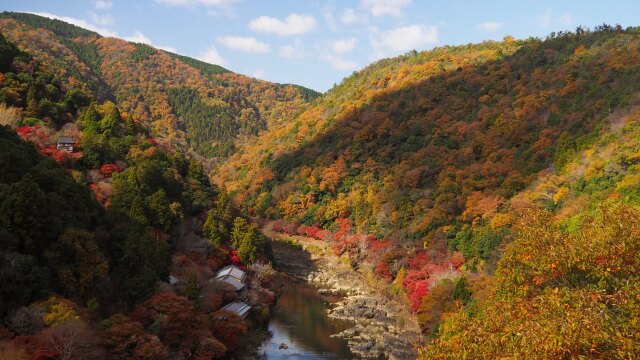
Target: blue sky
column 317, row 43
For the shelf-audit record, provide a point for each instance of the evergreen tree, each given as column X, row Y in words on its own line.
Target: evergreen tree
column 109, row 124
column 90, row 119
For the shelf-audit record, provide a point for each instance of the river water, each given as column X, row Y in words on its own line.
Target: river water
column 299, row 320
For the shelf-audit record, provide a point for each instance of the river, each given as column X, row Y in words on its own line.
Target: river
column 299, row 320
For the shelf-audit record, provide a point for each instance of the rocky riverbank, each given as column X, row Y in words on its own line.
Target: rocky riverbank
column 384, row 328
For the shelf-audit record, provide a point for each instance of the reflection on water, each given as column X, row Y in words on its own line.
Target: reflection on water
column 299, row 320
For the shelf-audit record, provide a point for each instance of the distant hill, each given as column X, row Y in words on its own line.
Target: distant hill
column 194, row 104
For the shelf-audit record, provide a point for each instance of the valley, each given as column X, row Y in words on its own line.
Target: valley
column 381, row 325
column 470, row 201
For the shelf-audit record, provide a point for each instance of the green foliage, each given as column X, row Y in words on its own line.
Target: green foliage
column 8, row 52
column 476, row 241
column 109, row 123
column 146, row 191
column 142, row 52
column 58, row 27
column 217, row 227
column 307, row 94
column 565, row 150
column 78, row 264
column 193, row 288
column 204, row 67
column 24, row 279
column 41, row 96
column 460, row 291
column 209, row 128
column 246, row 238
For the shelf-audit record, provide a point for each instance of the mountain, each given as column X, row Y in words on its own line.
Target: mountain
column 494, row 187
column 194, row 105
column 567, row 286
column 494, row 183
column 94, row 217
column 404, row 146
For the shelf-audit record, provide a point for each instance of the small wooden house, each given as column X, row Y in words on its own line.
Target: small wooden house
column 232, row 275
column 65, row 143
column 239, row 308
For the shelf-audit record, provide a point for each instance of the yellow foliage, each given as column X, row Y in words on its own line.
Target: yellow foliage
column 60, row 311
column 595, row 169
column 499, row 221
column 561, row 193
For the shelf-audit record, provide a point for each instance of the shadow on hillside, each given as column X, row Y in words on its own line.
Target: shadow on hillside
column 441, row 117
column 292, row 259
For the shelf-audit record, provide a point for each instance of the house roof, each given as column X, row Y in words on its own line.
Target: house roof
column 237, row 284
column 66, row 140
column 174, row 280
column 237, row 307
column 231, row 271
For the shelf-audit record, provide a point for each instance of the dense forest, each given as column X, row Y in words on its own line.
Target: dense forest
column 421, row 169
column 151, row 85
column 91, row 237
column 492, row 187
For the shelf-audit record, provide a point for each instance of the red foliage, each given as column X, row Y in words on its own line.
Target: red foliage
column 153, row 141
column 284, row 227
column 342, row 241
column 62, row 157
column 175, row 315
column 233, row 256
column 34, row 347
column 418, row 291
column 314, row 231
column 26, row 130
column 228, row 327
column 457, row 260
column 36, row 134
column 382, row 270
column 107, row 170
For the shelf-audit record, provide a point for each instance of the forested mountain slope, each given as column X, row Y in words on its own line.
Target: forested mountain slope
column 567, row 286
column 412, row 144
column 193, row 104
column 435, row 159
column 94, row 217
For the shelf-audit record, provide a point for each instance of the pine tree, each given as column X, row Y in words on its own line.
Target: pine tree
column 89, row 119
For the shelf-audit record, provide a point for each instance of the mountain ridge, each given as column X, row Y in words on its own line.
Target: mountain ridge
column 137, row 77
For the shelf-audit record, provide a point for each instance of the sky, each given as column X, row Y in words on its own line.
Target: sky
column 316, row 43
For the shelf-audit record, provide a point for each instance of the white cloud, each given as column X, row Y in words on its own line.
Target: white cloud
column 338, row 63
column 291, row 52
column 246, row 44
column 212, row 56
column 403, row 39
column 334, row 55
column 190, row 3
column 102, row 20
column 385, row 7
column 139, row 37
column 166, row 48
column 327, row 14
column 77, row 22
column 343, row 46
column 102, row 4
column 490, row 26
column 350, row 17
column 549, row 19
column 294, row 24
column 258, row 74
